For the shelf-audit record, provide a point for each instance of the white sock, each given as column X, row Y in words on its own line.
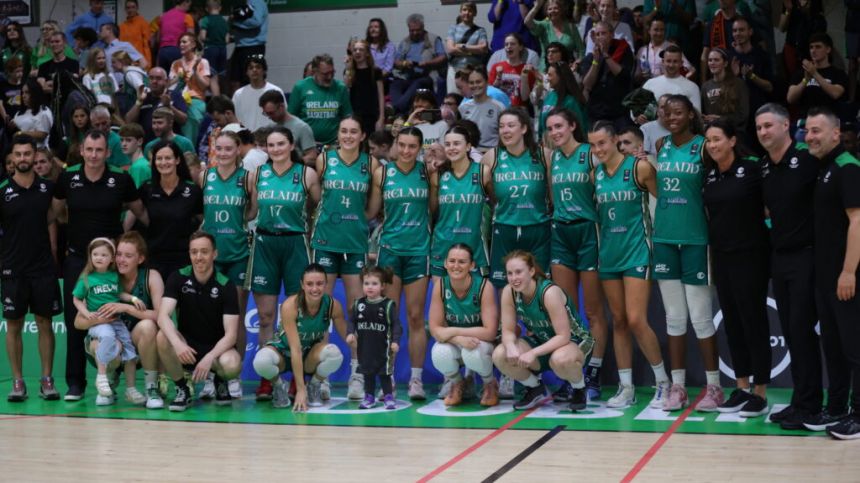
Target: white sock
column 531, row 381
column 659, row 373
column 625, row 376
column 578, row 384
column 150, row 378
column 595, row 362
column 713, row 377
column 353, row 366
column 679, row 376
column 416, row 373
column 747, row 390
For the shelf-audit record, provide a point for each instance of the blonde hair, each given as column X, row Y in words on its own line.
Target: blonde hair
column 91, row 62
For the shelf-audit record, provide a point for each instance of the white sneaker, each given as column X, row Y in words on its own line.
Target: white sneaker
column 153, row 398
column 134, row 396
column 355, row 387
column 506, row 387
column 624, row 397
column 661, row 393
column 325, row 389
column 104, row 400
column 416, row 390
column 208, row 391
column 103, row 386
column 235, row 388
column 445, row 389
column 314, row 396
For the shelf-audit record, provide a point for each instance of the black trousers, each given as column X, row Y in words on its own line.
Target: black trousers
column 793, row 276
column 840, row 334
column 76, row 366
column 741, row 279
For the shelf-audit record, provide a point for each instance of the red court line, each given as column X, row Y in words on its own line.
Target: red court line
column 471, row 449
column 660, row 442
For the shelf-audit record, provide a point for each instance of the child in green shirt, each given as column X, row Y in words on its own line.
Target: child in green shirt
column 96, row 289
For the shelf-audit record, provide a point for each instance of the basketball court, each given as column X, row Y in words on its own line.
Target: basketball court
column 419, row 441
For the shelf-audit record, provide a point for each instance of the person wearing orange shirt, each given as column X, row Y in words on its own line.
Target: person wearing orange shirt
column 136, row 31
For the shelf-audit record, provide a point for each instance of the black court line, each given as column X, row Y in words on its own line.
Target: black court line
column 524, row 454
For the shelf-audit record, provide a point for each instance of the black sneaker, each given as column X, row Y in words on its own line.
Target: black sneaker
column 222, row 392
column 75, row 393
column 735, row 402
column 564, row 393
column 848, row 428
column 534, row 396
column 182, row 399
column 782, row 414
column 592, row 383
column 755, row 406
column 822, row 420
column 578, row 399
column 794, row 420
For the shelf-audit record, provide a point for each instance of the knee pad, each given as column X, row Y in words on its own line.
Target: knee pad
column 700, row 301
column 266, row 363
column 675, row 305
column 446, row 358
column 480, row 359
column 330, row 360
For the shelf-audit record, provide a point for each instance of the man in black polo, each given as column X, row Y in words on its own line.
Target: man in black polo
column 837, row 254
column 29, row 275
column 95, row 195
column 207, row 314
column 790, row 173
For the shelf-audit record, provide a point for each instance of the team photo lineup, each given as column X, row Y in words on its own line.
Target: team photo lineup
column 516, row 192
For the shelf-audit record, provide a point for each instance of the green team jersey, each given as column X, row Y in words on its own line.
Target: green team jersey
column 680, row 215
column 140, row 171
column 140, row 289
column 520, row 186
column 282, row 199
column 460, row 214
column 97, row 289
column 224, row 202
column 405, row 199
column 341, row 225
column 321, row 108
column 572, row 189
column 625, row 221
column 537, row 320
column 463, row 311
column 311, row 328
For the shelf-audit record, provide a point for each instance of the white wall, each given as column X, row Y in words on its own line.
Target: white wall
column 294, row 38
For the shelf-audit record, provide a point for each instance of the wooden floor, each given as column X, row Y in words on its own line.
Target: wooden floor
column 44, row 448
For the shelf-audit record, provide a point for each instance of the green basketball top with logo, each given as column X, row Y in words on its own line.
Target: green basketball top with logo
column 537, row 321
column 572, row 189
column 341, row 225
column 224, row 203
column 311, row 328
column 680, row 215
column 520, row 187
column 405, row 199
column 282, row 199
column 463, row 311
column 140, row 289
column 460, row 213
column 625, row 221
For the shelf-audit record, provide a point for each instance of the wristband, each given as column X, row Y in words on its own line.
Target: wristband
column 594, row 62
column 752, row 76
column 134, row 299
column 804, row 82
column 407, row 124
